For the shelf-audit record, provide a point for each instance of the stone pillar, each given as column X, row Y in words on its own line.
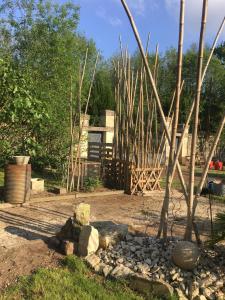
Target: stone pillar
column 84, row 136
column 107, row 120
column 185, row 150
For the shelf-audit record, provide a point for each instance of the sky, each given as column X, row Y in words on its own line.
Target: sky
column 105, row 20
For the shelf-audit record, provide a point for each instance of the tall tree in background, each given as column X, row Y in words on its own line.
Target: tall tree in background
column 42, row 39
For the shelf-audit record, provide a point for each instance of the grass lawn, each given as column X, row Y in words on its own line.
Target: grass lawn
column 71, row 281
column 211, row 173
column 50, row 179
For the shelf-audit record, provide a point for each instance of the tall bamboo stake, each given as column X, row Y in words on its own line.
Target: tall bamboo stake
column 193, row 102
column 149, row 73
column 81, row 124
column 188, row 233
column 70, row 157
column 206, row 168
column 164, row 213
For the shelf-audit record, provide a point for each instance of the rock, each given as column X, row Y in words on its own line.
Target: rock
column 175, row 276
column 208, row 293
column 139, row 240
column 66, row 230
column 92, row 260
column 133, row 249
column 121, row 271
column 106, row 270
column 180, row 294
column 200, row 297
column 219, row 284
column 110, row 233
column 54, row 242
column 220, row 295
column 68, row 247
column 143, row 268
column 195, row 293
column 99, row 268
column 104, row 241
column 69, row 231
column 157, row 288
column 148, row 261
column 129, row 237
column 206, row 282
column 82, row 214
column 88, row 240
column 185, row 255
column 76, row 229
column 120, row 260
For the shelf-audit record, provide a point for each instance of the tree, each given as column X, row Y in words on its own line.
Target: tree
column 102, row 93
column 45, row 47
column 21, row 114
column 220, row 52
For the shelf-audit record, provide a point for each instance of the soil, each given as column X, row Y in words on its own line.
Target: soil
column 25, row 231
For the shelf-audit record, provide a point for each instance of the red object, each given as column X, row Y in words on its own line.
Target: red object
column 218, row 165
column 211, row 164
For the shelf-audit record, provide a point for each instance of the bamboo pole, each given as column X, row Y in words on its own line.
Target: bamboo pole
column 193, row 102
column 149, row 73
column 164, row 213
column 70, row 157
column 85, row 113
column 188, row 233
column 213, row 47
column 79, row 111
column 206, row 168
column 81, row 125
column 163, row 139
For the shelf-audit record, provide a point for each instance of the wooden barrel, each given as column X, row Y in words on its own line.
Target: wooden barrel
column 17, row 183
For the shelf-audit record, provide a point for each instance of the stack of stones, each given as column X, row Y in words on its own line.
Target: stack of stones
column 179, row 268
column 77, row 236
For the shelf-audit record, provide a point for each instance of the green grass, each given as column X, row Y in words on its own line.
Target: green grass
column 50, row 179
column 175, row 185
column 211, row 173
column 1, row 177
column 71, row 281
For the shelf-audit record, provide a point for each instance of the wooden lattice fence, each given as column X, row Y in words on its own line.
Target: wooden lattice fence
column 119, row 174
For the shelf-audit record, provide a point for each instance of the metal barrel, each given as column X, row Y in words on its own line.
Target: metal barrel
column 17, row 183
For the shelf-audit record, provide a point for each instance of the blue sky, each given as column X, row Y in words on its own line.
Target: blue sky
column 105, row 20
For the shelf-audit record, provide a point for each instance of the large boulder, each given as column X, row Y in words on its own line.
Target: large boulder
column 121, row 272
column 93, row 261
column 66, row 230
column 69, row 231
column 157, row 288
column 88, row 240
column 185, row 255
column 110, row 233
column 68, row 247
column 82, row 214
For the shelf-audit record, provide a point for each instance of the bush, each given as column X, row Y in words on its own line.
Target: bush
column 91, row 183
column 219, row 229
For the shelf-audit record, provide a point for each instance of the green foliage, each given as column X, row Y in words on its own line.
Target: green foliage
column 102, row 96
column 218, row 229
column 92, row 183
column 22, row 115
column 212, row 103
column 73, row 281
column 220, row 52
column 44, row 46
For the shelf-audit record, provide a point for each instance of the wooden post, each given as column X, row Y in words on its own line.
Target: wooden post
column 164, row 213
column 188, row 233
